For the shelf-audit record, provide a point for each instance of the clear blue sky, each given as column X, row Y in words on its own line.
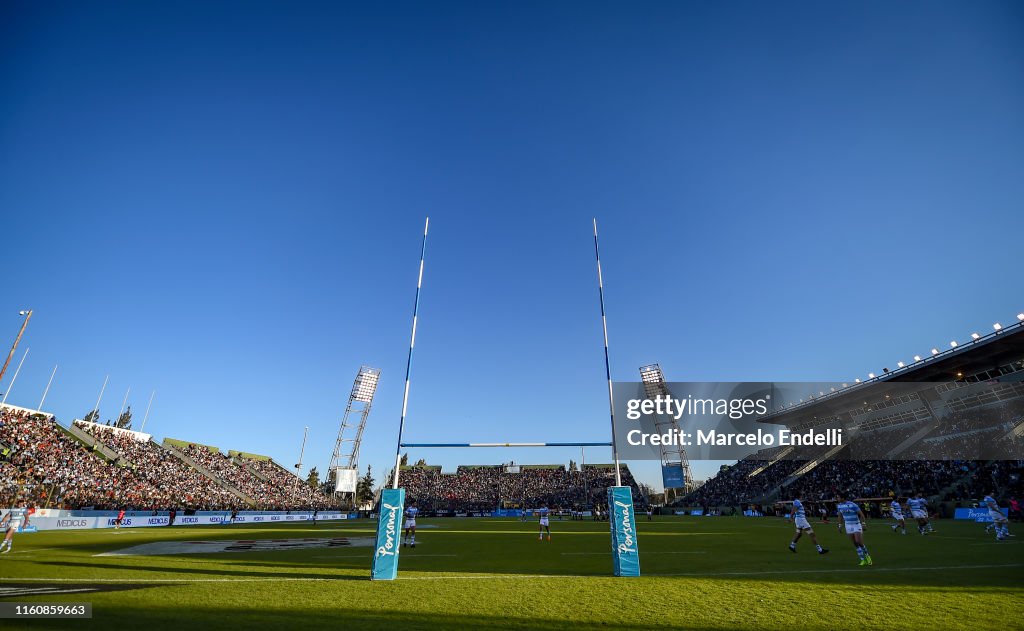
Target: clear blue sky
column 224, row 202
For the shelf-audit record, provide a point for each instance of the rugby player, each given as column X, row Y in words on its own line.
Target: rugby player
column 919, row 511
column 799, row 518
column 999, row 520
column 854, row 521
column 897, row 515
column 545, row 524
column 16, row 518
column 410, row 525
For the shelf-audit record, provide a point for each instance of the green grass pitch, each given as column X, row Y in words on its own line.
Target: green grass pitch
column 698, row 573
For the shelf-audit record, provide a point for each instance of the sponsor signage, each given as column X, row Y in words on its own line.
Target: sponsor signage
column 977, row 514
column 389, row 532
column 625, row 552
column 53, row 519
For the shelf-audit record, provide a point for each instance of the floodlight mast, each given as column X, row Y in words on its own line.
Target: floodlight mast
column 360, row 400
column 654, row 385
column 24, row 324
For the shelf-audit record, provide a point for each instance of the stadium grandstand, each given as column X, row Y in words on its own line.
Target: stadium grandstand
column 480, row 488
column 955, row 404
column 88, row 464
column 44, row 464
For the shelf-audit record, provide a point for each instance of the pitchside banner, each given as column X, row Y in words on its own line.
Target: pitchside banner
column 389, row 529
column 977, row 514
column 799, row 421
column 624, row 549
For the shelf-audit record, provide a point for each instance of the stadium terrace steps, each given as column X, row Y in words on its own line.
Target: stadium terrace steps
column 90, row 441
column 173, row 448
column 782, row 454
column 252, row 470
column 913, row 439
column 807, row 468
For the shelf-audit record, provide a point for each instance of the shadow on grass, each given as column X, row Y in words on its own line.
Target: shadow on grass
column 155, row 618
column 201, row 571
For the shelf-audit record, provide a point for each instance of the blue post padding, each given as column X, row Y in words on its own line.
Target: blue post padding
column 389, row 532
column 623, row 525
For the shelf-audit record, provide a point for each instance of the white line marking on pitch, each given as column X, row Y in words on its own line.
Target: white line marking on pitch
column 410, row 555
column 659, row 554
column 33, row 550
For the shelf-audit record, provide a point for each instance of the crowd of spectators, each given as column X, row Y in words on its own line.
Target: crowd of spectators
column 292, row 490
column 950, row 478
column 739, row 484
column 50, row 468
column 179, row 484
column 41, row 464
column 485, row 488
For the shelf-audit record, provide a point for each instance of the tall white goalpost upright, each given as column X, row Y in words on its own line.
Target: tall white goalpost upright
column 392, row 501
column 625, row 553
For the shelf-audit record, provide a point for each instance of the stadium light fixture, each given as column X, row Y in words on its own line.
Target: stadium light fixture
column 917, row 358
column 857, row 380
column 365, row 384
column 871, row 375
column 997, row 326
column 653, row 379
column 952, row 344
column 1020, row 316
column 900, row 364
column 975, row 336
column 935, row 351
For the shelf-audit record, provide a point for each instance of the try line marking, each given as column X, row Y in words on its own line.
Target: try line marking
column 502, row 576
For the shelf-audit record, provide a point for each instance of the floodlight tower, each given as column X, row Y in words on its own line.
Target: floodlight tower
column 672, row 457
column 343, row 469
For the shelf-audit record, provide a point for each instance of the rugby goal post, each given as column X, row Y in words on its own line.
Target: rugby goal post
column 624, row 549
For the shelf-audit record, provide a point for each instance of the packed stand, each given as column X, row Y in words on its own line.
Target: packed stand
column 57, row 471
column 296, row 490
column 180, row 485
column 484, row 488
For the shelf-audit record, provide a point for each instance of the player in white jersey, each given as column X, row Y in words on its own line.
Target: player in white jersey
column 855, row 522
column 410, row 525
column 919, row 511
column 897, row 515
column 999, row 520
column 545, row 523
column 16, row 518
column 799, row 517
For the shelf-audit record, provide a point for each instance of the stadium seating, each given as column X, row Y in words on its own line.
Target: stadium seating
column 484, row 488
column 181, row 484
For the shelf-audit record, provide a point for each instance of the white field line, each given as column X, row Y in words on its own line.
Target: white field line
column 659, row 554
column 507, row 576
column 32, row 550
column 411, row 555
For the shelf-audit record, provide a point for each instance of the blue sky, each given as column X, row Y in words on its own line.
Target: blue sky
column 224, row 201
